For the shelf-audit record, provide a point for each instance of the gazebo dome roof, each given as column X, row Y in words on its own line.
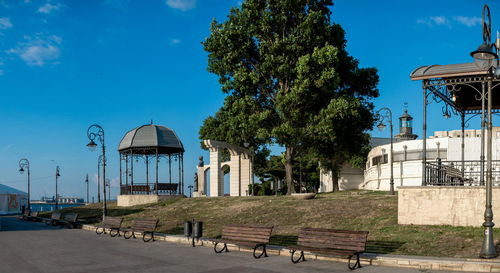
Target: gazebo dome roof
column 146, row 139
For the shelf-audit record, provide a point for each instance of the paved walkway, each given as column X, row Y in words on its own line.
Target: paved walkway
column 34, row 247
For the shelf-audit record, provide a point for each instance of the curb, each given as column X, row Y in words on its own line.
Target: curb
column 416, row 262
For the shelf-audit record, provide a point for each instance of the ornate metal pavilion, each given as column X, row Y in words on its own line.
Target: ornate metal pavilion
column 464, row 89
column 151, row 142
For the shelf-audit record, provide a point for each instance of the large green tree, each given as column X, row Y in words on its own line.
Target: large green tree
column 281, row 63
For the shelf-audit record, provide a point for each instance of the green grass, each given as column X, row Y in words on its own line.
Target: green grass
column 355, row 210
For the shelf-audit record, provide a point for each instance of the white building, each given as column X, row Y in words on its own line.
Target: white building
column 407, row 160
column 12, row 200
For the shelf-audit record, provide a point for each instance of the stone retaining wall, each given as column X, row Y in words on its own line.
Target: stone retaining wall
column 455, row 206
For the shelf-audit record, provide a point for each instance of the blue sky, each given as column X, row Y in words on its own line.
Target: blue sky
column 67, row 64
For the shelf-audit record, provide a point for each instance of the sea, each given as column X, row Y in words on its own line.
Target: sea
column 51, row 206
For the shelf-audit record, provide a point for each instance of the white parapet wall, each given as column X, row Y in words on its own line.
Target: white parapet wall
column 140, row 199
column 455, row 206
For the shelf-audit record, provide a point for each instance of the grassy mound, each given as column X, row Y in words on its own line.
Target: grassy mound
column 375, row 212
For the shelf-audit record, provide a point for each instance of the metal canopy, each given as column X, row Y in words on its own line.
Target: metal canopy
column 458, row 85
column 450, row 70
column 149, row 140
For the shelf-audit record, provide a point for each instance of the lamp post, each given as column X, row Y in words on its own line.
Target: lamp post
column 384, row 114
column 24, row 164
column 108, row 184
column 99, row 163
column 57, row 177
column 95, row 131
column 87, row 182
column 484, row 57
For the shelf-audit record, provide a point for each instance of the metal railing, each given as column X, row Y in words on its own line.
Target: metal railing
column 453, row 173
column 151, row 188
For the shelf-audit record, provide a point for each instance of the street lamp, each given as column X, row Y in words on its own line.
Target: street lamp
column 87, row 182
column 25, row 164
column 385, row 115
column 57, row 177
column 108, row 184
column 99, row 163
column 483, row 57
column 95, row 131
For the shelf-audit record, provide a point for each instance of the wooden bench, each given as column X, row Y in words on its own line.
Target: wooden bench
column 254, row 236
column 346, row 243
column 33, row 217
column 454, row 176
column 54, row 218
column 70, row 220
column 144, row 226
column 25, row 215
column 111, row 223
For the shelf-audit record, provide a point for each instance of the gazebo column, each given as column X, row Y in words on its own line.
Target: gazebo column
column 462, row 116
column 120, row 172
column 182, row 172
column 156, row 182
column 126, row 170
column 170, row 169
column 147, row 172
column 132, row 171
column 424, row 139
column 179, row 175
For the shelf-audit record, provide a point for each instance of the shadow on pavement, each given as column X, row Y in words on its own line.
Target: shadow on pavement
column 11, row 223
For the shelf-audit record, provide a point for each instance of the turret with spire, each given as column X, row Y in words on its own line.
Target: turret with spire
column 405, row 126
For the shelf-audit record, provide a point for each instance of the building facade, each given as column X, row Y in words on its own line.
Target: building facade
column 443, row 148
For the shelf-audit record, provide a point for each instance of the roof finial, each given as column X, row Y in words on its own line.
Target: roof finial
column 405, row 106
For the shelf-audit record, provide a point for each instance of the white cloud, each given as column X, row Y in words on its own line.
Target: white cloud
column 5, row 23
column 38, row 51
column 434, row 20
column 48, row 8
column 182, row 5
column 439, row 20
column 468, row 21
column 175, row 41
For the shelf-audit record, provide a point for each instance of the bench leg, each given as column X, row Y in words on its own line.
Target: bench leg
column 301, row 257
column 103, row 230
column 220, row 251
column 116, row 233
column 264, row 252
column 147, row 240
column 357, row 264
column 132, row 234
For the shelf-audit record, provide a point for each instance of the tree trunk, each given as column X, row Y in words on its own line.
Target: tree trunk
column 335, row 176
column 289, row 170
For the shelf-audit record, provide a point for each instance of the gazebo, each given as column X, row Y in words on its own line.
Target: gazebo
column 151, row 143
column 468, row 89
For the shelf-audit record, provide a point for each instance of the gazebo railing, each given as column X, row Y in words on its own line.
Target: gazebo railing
column 453, row 173
column 151, row 188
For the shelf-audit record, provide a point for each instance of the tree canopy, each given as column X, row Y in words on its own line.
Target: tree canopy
column 289, row 80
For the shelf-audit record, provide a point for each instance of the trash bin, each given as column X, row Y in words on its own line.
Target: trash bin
column 198, row 230
column 188, row 228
